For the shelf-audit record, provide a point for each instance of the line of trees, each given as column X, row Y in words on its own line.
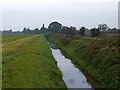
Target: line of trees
column 57, row 28
column 28, row 31
column 68, row 30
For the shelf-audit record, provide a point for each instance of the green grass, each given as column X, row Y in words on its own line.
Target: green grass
column 28, row 63
column 10, row 38
column 98, row 59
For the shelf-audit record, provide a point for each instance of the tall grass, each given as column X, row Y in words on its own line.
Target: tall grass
column 98, row 58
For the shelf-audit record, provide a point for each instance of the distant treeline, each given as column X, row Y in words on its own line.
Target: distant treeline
column 57, row 28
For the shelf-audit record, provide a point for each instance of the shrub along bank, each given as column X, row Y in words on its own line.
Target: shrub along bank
column 97, row 57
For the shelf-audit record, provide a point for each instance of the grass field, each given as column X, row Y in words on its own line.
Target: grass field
column 98, row 57
column 27, row 62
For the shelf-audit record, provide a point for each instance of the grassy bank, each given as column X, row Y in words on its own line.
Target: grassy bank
column 28, row 63
column 98, row 58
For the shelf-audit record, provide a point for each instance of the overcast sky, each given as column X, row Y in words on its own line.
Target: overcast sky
column 17, row 14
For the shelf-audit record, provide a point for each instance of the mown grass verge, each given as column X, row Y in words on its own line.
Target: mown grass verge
column 28, row 63
column 98, row 58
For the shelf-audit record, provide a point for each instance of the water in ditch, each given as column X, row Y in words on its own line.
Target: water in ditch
column 71, row 75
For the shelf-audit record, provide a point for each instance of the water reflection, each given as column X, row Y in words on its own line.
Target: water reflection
column 72, row 76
